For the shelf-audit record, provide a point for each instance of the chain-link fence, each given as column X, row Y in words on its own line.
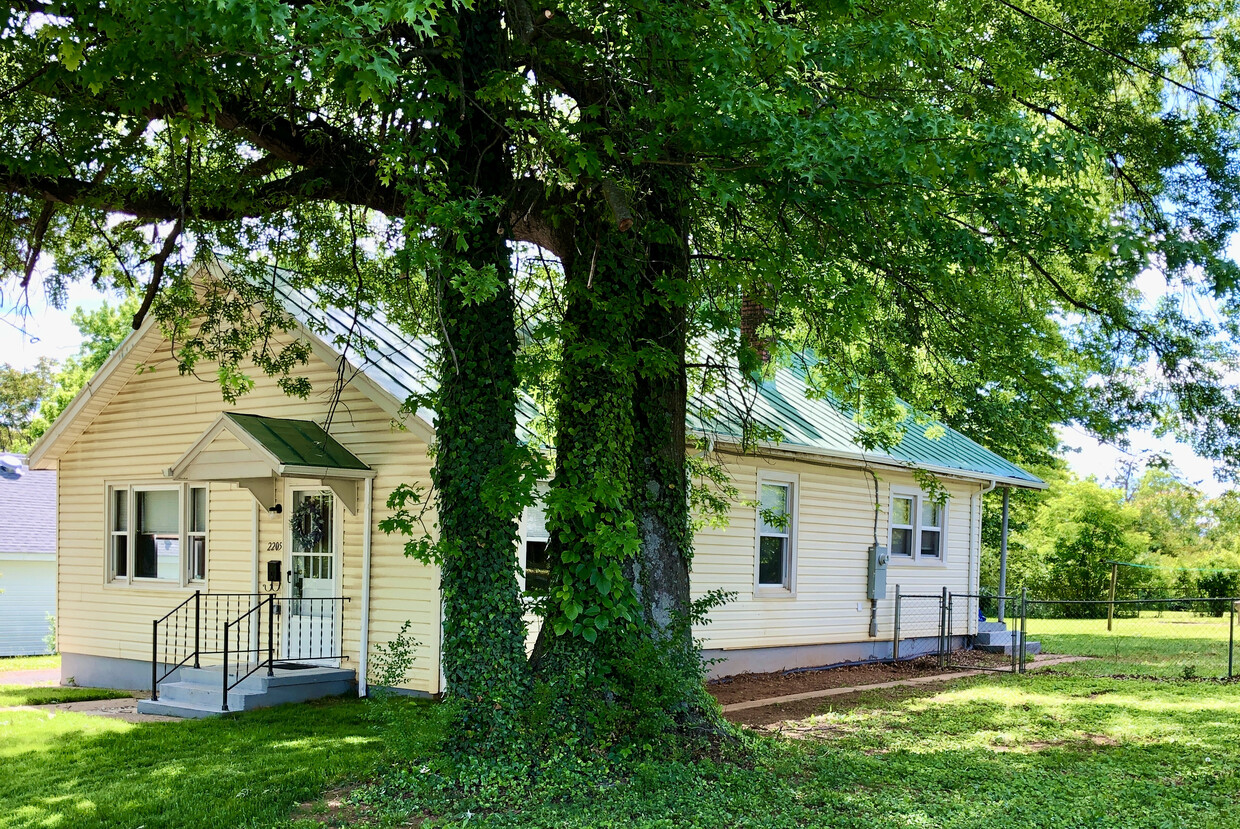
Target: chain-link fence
column 918, row 627
column 1183, row 638
column 1175, row 637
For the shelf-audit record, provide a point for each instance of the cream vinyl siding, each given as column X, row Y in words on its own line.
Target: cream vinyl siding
column 154, row 418
column 835, row 530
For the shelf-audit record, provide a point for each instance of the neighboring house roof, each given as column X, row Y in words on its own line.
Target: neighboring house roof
column 28, row 514
column 396, row 366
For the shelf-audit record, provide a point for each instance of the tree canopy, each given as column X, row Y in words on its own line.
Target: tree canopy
column 950, row 205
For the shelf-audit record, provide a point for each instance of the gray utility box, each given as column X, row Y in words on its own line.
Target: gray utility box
column 876, row 580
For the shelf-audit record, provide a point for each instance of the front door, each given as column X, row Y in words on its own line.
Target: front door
column 311, row 609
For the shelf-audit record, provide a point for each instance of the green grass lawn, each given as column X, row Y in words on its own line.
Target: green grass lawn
column 999, row 752
column 1151, row 644
column 76, row 770
column 50, row 694
column 29, row 663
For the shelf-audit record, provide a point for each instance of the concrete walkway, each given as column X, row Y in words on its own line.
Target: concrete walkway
column 116, row 709
column 1032, row 664
column 41, row 676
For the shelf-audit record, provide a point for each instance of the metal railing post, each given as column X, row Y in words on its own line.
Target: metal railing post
column 271, row 636
column 155, row 660
column 895, row 636
column 1024, row 617
column 1015, row 635
column 224, row 673
column 197, row 626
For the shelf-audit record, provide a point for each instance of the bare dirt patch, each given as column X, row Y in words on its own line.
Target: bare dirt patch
column 784, row 718
column 746, row 687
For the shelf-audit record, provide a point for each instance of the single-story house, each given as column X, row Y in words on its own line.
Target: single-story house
column 27, row 558
column 190, row 526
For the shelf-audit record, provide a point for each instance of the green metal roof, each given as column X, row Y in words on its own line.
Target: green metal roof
column 823, row 426
column 297, row 442
column 401, row 365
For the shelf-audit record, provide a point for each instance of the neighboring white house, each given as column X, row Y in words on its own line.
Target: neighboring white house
column 254, row 521
column 27, row 557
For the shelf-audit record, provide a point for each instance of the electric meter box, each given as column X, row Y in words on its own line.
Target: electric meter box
column 876, row 581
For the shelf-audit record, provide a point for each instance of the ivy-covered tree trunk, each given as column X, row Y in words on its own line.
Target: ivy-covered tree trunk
column 660, row 571
column 484, row 657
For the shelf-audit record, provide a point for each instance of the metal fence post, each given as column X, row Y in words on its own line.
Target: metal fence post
column 224, row 673
column 947, row 645
column 1231, row 640
column 1015, row 635
column 895, row 636
column 1024, row 617
column 943, row 629
column 1111, row 603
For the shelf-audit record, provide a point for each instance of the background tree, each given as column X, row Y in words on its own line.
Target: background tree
column 21, row 392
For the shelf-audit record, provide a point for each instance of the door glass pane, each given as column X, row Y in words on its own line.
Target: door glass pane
column 157, row 553
column 313, row 563
column 771, row 557
column 774, row 503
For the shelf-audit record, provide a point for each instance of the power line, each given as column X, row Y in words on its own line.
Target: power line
column 1119, row 57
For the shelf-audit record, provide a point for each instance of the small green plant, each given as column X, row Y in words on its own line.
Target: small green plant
column 391, row 661
column 49, row 641
column 1189, row 672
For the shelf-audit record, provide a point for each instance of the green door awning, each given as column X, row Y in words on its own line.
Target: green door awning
column 297, row 443
column 256, row 452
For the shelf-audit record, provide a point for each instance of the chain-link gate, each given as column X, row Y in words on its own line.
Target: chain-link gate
column 971, row 641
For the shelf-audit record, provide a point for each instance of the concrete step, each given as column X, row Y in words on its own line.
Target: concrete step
column 177, row 709
column 994, row 637
column 1031, row 648
column 198, row 691
column 991, row 627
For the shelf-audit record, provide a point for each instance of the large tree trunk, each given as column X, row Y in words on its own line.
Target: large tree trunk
column 483, row 631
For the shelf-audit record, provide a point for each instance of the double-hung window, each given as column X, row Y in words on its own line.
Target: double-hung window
column 535, row 566
column 157, row 533
column 917, row 526
column 775, row 565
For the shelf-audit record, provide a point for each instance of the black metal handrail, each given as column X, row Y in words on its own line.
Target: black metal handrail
column 175, row 615
column 257, row 611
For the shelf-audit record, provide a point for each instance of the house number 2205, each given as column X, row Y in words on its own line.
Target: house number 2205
column 275, row 546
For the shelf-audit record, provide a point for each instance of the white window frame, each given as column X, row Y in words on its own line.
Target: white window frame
column 540, row 493
column 789, row 588
column 130, row 489
column 920, row 500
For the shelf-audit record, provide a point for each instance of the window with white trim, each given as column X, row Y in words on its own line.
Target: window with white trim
column 535, row 567
column 775, row 566
column 916, row 527
column 157, row 533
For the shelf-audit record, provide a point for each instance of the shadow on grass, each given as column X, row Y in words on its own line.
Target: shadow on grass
column 248, row 769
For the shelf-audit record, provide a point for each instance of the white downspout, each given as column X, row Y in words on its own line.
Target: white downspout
column 367, row 513
column 975, row 551
column 254, row 551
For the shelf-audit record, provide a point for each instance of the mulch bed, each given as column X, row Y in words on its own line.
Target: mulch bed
column 746, row 687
